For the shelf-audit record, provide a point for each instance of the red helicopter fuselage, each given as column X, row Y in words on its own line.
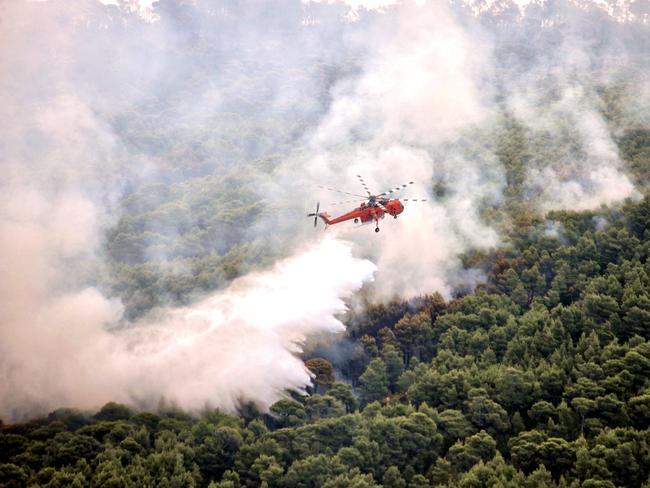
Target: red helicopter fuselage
column 375, row 206
column 366, row 213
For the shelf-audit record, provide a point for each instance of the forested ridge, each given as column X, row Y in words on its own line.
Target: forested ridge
column 537, row 378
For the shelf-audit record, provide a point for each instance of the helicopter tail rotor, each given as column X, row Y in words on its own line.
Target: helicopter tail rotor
column 315, row 215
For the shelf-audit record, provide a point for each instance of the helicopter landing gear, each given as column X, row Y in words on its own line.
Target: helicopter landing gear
column 356, row 221
column 376, row 229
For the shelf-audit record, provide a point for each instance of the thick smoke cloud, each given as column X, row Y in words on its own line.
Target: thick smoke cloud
column 426, row 97
column 64, row 171
column 420, row 87
column 410, row 93
column 239, row 344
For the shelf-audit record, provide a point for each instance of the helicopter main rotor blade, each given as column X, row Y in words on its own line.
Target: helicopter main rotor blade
column 365, row 187
column 346, row 202
column 413, row 199
column 341, row 191
column 381, row 206
column 397, row 188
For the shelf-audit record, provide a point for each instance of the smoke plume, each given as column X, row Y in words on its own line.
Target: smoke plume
column 99, row 101
column 420, row 87
column 433, row 87
column 238, row 344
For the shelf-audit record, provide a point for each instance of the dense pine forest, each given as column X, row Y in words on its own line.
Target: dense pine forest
column 537, row 378
column 534, row 373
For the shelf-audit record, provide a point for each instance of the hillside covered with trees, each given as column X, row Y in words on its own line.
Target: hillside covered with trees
column 537, row 374
column 537, row 378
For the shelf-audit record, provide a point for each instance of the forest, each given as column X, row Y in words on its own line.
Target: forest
column 537, row 375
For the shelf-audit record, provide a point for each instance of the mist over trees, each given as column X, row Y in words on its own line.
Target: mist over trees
column 528, row 366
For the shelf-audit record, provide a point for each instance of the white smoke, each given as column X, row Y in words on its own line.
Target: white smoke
column 61, row 339
column 427, row 88
column 420, row 87
column 592, row 175
column 423, row 90
column 238, row 344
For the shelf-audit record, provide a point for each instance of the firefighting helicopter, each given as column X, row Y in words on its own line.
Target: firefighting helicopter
column 371, row 208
